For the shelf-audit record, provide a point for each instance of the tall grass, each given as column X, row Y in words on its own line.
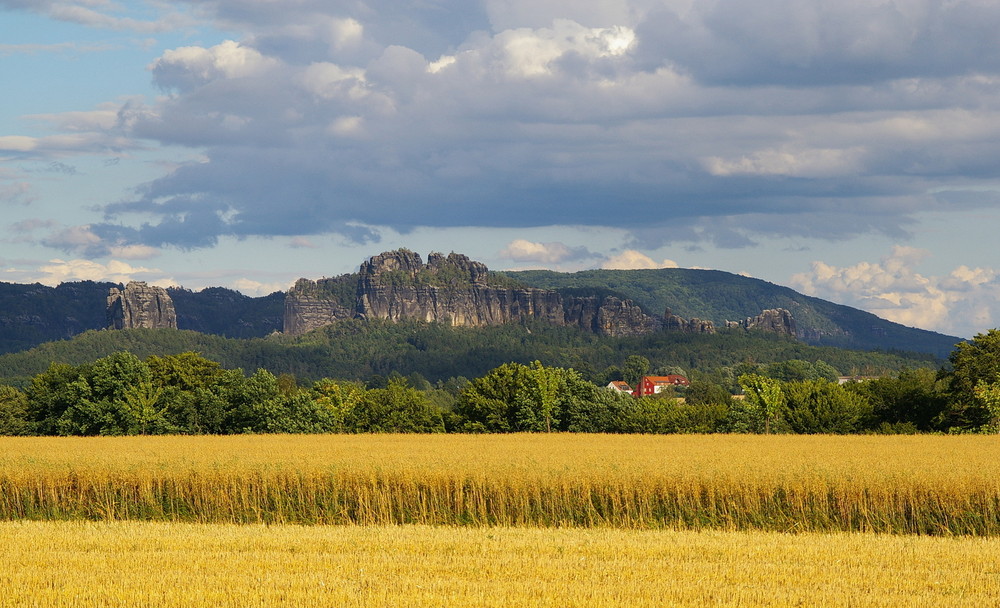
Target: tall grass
column 919, row 485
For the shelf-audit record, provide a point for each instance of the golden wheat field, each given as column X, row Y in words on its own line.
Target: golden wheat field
column 902, row 484
column 153, row 564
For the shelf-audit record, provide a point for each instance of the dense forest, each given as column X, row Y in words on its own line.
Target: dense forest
column 123, row 394
column 401, row 377
column 358, row 349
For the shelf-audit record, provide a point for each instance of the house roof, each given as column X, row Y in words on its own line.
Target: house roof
column 664, row 379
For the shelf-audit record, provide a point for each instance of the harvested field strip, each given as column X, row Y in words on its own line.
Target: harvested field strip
column 918, row 485
column 55, row 564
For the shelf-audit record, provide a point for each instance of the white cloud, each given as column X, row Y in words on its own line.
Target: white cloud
column 74, row 238
column 522, row 250
column 630, row 259
column 301, row 242
column 251, row 287
column 793, row 163
column 133, row 252
column 189, row 66
column 17, row 193
column 60, row 271
column 531, row 52
column 960, row 303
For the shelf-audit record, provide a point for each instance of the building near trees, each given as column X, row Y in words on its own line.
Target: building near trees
column 651, row 385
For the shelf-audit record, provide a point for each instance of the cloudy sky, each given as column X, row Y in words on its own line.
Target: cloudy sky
column 846, row 148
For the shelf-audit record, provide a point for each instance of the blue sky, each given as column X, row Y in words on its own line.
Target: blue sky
column 848, row 149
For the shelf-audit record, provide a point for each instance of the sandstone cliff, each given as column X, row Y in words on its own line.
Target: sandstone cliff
column 672, row 322
column 608, row 316
column 313, row 304
column 457, row 291
column 452, row 289
column 777, row 320
column 140, row 305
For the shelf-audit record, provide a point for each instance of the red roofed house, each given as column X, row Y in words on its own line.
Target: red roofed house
column 620, row 385
column 650, row 385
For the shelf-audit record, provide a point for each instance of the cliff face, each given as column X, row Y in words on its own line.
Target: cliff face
column 617, row 317
column 313, row 304
column 398, row 285
column 140, row 305
column 777, row 320
column 454, row 290
column 672, row 322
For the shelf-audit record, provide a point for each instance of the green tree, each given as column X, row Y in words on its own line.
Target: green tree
column 988, row 395
column 972, row 363
column 13, row 412
column 397, row 408
column 193, row 389
column 668, row 415
column 516, row 397
column 142, row 409
column 52, row 393
column 542, row 391
column 821, row 406
column 256, row 404
column 912, row 400
column 99, row 397
column 764, row 398
column 339, row 399
column 634, row 368
column 701, row 392
column 592, row 409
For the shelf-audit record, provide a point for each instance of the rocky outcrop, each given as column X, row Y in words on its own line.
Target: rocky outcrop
column 313, row 304
column 609, row 316
column 777, row 320
column 672, row 322
column 454, row 290
column 457, row 291
column 617, row 317
column 139, row 305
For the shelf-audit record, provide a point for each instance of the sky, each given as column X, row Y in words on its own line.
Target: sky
column 849, row 149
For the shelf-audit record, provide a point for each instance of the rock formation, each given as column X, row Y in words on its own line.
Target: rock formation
column 457, row 291
column 454, row 290
column 313, row 304
column 777, row 320
column 140, row 305
column 672, row 322
column 617, row 317
column 451, row 289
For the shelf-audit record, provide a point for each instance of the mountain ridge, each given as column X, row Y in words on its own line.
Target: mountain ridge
column 397, row 285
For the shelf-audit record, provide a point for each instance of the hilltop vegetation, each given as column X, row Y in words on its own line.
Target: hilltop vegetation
column 169, row 391
column 358, row 349
column 721, row 296
column 31, row 315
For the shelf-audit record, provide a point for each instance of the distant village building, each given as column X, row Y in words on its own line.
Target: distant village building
column 650, row 385
column 620, row 385
column 853, row 379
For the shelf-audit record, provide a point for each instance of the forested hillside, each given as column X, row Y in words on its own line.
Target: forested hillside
column 721, row 296
column 33, row 314
column 359, row 349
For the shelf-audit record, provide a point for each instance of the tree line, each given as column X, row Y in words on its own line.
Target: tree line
column 121, row 394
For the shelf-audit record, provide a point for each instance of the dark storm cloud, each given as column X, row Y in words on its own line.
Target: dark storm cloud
column 723, row 122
